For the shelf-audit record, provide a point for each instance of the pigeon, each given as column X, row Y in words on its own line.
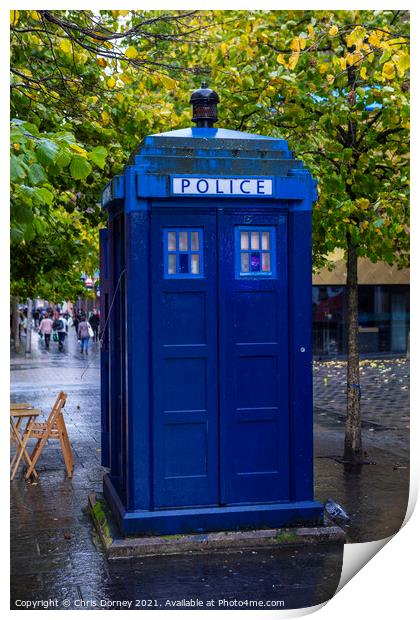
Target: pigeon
column 335, row 511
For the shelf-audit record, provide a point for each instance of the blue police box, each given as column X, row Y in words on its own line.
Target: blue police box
column 206, row 364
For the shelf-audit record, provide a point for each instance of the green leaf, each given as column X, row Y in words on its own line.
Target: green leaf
column 44, row 196
column 98, row 156
column 16, row 170
column 47, row 152
column 16, row 234
column 63, row 158
column 22, row 213
column 80, row 168
column 36, row 174
column 385, row 56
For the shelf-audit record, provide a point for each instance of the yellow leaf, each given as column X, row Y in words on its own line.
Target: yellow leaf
column 111, row 82
column 105, row 117
column 35, row 15
column 363, row 72
column 79, row 150
column 293, row 60
column 363, row 203
column 295, row 45
column 324, row 67
column 311, row 31
column 168, row 82
column 356, row 37
column 101, row 62
column 131, row 52
column 302, row 43
column 364, row 225
column 388, row 70
column 65, row 46
column 330, row 78
column 281, row 60
column 16, row 146
column 223, row 48
column 14, row 17
column 82, row 58
column 403, row 63
column 127, row 79
column 333, row 31
column 123, row 13
column 120, row 97
column 374, row 39
column 343, row 63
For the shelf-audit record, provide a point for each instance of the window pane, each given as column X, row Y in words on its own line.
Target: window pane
column 183, row 241
column 195, row 263
column 171, row 240
column 255, row 241
column 255, row 261
column 183, row 263
column 195, row 243
column 244, row 241
column 244, row 262
column 266, row 261
column 265, row 240
column 171, row 263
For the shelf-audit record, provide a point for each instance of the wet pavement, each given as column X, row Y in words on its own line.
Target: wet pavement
column 55, row 553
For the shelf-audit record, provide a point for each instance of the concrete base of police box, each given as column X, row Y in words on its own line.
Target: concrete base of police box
column 116, row 547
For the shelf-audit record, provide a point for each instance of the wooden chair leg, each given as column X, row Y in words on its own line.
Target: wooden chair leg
column 36, row 454
column 65, row 455
column 68, row 446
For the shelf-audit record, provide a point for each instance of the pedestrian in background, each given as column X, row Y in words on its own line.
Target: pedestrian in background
column 94, row 323
column 45, row 329
column 61, row 327
column 83, row 335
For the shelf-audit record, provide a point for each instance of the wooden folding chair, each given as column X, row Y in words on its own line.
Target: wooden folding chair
column 53, row 428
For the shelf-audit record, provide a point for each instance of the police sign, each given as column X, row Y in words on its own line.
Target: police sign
column 222, row 186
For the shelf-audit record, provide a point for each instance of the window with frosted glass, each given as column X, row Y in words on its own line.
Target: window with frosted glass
column 183, row 253
column 255, row 251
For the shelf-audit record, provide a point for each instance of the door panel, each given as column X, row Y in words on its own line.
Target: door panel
column 220, row 354
column 185, row 380
column 254, row 415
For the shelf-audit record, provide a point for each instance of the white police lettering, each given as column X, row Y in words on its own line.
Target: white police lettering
column 208, row 186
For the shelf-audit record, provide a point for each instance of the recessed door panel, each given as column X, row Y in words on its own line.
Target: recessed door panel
column 254, row 411
column 185, row 360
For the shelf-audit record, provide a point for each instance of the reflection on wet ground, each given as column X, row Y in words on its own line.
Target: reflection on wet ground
column 54, row 550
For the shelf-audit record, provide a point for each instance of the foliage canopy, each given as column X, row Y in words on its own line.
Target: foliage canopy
column 87, row 87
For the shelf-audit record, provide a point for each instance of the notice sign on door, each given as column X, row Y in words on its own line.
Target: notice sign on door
column 213, row 186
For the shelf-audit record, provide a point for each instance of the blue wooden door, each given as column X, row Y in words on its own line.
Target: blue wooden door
column 185, row 359
column 254, row 410
column 220, row 358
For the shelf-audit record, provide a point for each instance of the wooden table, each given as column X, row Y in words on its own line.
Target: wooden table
column 18, row 413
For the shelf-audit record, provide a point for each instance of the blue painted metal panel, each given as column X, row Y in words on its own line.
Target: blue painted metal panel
column 300, row 343
column 208, row 519
column 139, row 449
column 184, row 366
column 254, row 415
column 104, row 337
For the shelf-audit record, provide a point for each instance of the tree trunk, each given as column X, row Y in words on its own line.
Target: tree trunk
column 353, row 437
column 29, row 328
column 15, row 324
